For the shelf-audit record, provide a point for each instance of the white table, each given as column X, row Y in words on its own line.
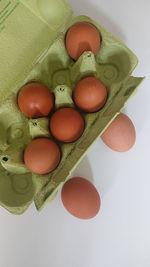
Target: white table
column 120, row 235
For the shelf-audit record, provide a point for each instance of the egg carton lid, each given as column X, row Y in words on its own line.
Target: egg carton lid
column 27, row 29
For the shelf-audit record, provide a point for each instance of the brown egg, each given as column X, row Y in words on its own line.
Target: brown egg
column 35, row 100
column 42, row 155
column 66, row 125
column 90, row 94
column 120, row 134
column 80, row 198
column 82, row 37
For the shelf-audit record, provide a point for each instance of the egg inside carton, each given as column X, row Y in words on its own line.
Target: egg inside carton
column 113, row 65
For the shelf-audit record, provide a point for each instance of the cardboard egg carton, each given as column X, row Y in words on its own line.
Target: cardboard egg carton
column 32, row 48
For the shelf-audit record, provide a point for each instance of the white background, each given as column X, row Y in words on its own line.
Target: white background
column 120, row 234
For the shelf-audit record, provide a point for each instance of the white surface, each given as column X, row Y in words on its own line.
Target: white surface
column 120, row 235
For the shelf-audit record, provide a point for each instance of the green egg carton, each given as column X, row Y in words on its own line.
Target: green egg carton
column 32, row 49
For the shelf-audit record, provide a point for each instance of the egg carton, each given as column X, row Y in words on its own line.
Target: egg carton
column 32, row 49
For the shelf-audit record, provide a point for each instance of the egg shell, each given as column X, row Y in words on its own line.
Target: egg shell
column 120, row 134
column 82, row 37
column 80, row 198
column 90, row 94
column 42, row 155
column 35, row 100
column 66, row 125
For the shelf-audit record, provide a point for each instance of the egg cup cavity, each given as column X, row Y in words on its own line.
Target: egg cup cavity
column 53, row 67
